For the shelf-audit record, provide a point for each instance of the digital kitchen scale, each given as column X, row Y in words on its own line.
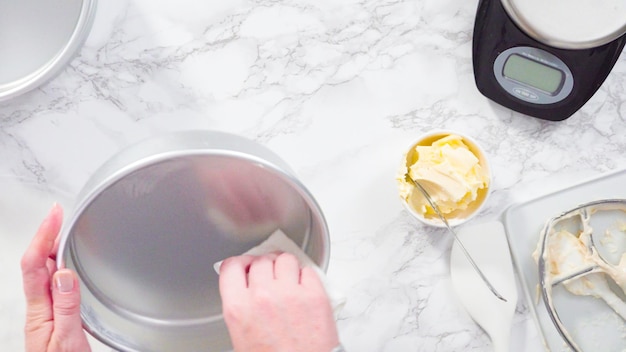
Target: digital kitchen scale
column 546, row 58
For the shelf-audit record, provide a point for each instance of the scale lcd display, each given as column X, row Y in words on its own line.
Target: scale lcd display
column 533, row 73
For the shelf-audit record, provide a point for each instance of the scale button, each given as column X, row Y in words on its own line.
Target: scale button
column 524, row 93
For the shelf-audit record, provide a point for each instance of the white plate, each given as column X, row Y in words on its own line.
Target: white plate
column 523, row 223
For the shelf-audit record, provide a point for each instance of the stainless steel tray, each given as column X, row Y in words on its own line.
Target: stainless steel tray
column 523, row 223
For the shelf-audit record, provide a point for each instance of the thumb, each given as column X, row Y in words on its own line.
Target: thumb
column 66, row 308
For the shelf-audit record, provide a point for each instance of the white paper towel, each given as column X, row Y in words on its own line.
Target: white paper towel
column 279, row 242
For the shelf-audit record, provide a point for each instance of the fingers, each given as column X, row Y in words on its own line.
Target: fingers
column 234, row 276
column 241, row 272
column 68, row 334
column 310, row 279
column 287, row 268
column 261, row 271
column 66, row 306
column 36, row 262
column 282, row 268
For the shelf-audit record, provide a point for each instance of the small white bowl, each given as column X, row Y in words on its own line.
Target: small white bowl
column 457, row 217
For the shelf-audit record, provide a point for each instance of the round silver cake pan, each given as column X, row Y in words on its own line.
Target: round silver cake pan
column 151, row 222
column 38, row 39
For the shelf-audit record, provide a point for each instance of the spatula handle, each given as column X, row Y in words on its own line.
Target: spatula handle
column 456, row 237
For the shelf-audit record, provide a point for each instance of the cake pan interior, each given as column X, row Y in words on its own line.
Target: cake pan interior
column 144, row 242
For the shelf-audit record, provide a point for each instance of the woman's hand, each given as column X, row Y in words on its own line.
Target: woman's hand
column 53, row 322
column 271, row 304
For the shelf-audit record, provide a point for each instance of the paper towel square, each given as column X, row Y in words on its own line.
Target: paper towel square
column 279, row 242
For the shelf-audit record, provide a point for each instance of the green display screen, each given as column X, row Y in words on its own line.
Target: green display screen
column 533, row 73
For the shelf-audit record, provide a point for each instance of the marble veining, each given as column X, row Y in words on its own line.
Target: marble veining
column 338, row 89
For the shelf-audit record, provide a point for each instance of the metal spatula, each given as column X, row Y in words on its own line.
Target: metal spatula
column 433, row 204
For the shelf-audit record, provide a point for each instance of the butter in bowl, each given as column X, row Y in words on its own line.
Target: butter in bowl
column 453, row 169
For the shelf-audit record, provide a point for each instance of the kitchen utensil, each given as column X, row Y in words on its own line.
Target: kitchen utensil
column 38, row 39
column 587, row 281
column 458, row 240
column 546, row 59
column 487, row 241
column 523, row 223
column 150, row 223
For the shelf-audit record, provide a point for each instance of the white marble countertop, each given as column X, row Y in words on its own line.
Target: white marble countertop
column 337, row 88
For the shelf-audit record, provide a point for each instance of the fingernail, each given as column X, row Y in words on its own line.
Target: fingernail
column 52, row 213
column 65, row 281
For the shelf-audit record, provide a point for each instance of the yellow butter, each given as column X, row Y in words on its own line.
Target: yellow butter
column 450, row 172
